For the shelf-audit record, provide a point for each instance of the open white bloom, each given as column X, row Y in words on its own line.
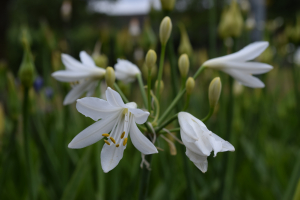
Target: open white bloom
column 117, row 118
column 85, row 73
column 126, row 71
column 199, row 141
column 236, row 64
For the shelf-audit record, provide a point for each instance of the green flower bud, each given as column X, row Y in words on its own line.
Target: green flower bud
column 189, row 85
column 167, row 4
column 165, row 30
column 27, row 71
column 110, row 77
column 100, row 60
column 184, row 65
column 151, row 59
column 214, row 91
column 185, row 44
column 161, row 86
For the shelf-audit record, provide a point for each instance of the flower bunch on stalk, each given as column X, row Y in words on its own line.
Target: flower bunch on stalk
column 117, row 118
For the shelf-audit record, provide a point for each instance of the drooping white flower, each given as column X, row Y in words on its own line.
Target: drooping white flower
column 199, row 141
column 85, row 73
column 236, row 64
column 126, row 71
column 117, row 118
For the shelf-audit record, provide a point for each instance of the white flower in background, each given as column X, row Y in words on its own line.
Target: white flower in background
column 85, row 73
column 297, row 57
column 126, row 71
column 117, row 118
column 199, row 141
column 236, row 64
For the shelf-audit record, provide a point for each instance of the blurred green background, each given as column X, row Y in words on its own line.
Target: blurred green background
column 265, row 122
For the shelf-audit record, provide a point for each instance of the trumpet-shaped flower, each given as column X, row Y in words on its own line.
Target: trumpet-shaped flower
column 84, row 74
column 117, row 121
column 199, row 141
column 126, row 71
column 236, row 64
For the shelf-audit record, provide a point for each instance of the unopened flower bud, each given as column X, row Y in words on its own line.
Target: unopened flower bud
column 151, row 59
column 165, row 30
column 185, row 44
column 214, row 91
column 161, row 87
column 184, row 65
column 189, row 85
column 100, row 60
column 167, row 4
column 26, row 72
column 110, row 77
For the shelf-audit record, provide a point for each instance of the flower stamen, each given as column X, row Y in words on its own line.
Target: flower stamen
column 125, row 141
column 105, row 135
column 123, row 134
column 117, row 145
column 113, row 140
column 107, row 142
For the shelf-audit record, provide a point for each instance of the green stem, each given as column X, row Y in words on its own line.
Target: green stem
column 211, row 111
column 26, row 141
column 121, row 93
column 160, row 70
column 198, row 72
column 163, row 125
column 141, row 84
column 149, row 89
column 187, row 102
column 144, row 181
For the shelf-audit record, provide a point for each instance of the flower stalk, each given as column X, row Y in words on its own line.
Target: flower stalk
column 142, row 89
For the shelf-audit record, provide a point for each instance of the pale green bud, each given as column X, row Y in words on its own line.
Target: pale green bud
column 185, row 44
column 214, row 91
column 184, row 65
column 161, row 86
column 110, row 77
column 165, row 30
column 100, row 60
column 167, row 4
column 189, row 85
column 27, row 71
column 151, row 59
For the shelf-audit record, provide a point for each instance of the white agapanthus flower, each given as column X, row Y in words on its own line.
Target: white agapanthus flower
column 297, row 57
column 236, row 64
column 119, row 120
column 199, row 141
column 85, row 75
column 126, row 71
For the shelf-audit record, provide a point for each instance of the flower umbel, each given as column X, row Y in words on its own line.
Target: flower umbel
column 117, row 121
column 85, row 73
column 200, row 141
column 236, row 64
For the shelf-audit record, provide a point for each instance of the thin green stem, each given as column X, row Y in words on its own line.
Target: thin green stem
column 160, row 70
column 149, row 89
column 187, row 102
column 141, row 84
column 121, row 93
column 198, row 72
column 211, row 111
column 26, row 141
column 163, row 125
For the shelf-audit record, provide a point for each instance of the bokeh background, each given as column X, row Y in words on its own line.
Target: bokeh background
column 263, row 124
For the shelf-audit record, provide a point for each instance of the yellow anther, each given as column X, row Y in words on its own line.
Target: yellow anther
column 117, row 145
column 105, row 135
column 113, row 140
column 125, row 141
column 107, row 142
column 123, row 134
column 125, row 111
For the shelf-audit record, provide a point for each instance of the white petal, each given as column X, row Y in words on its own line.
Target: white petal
column 140, row 141
column 71, row 76
column 245, row 79
column 95, row 108
column 226, row 146
column 111, row 156
column 184, row 120
column 86, row 59
column 198, row 160
column 71, row 63
column 91, row 88
column 114, row 98
column 140, row 116
column 126, row 71
column 215, row 144
column 76, row 92
column 249, row 67
column 93, row 133
column 124, row 77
